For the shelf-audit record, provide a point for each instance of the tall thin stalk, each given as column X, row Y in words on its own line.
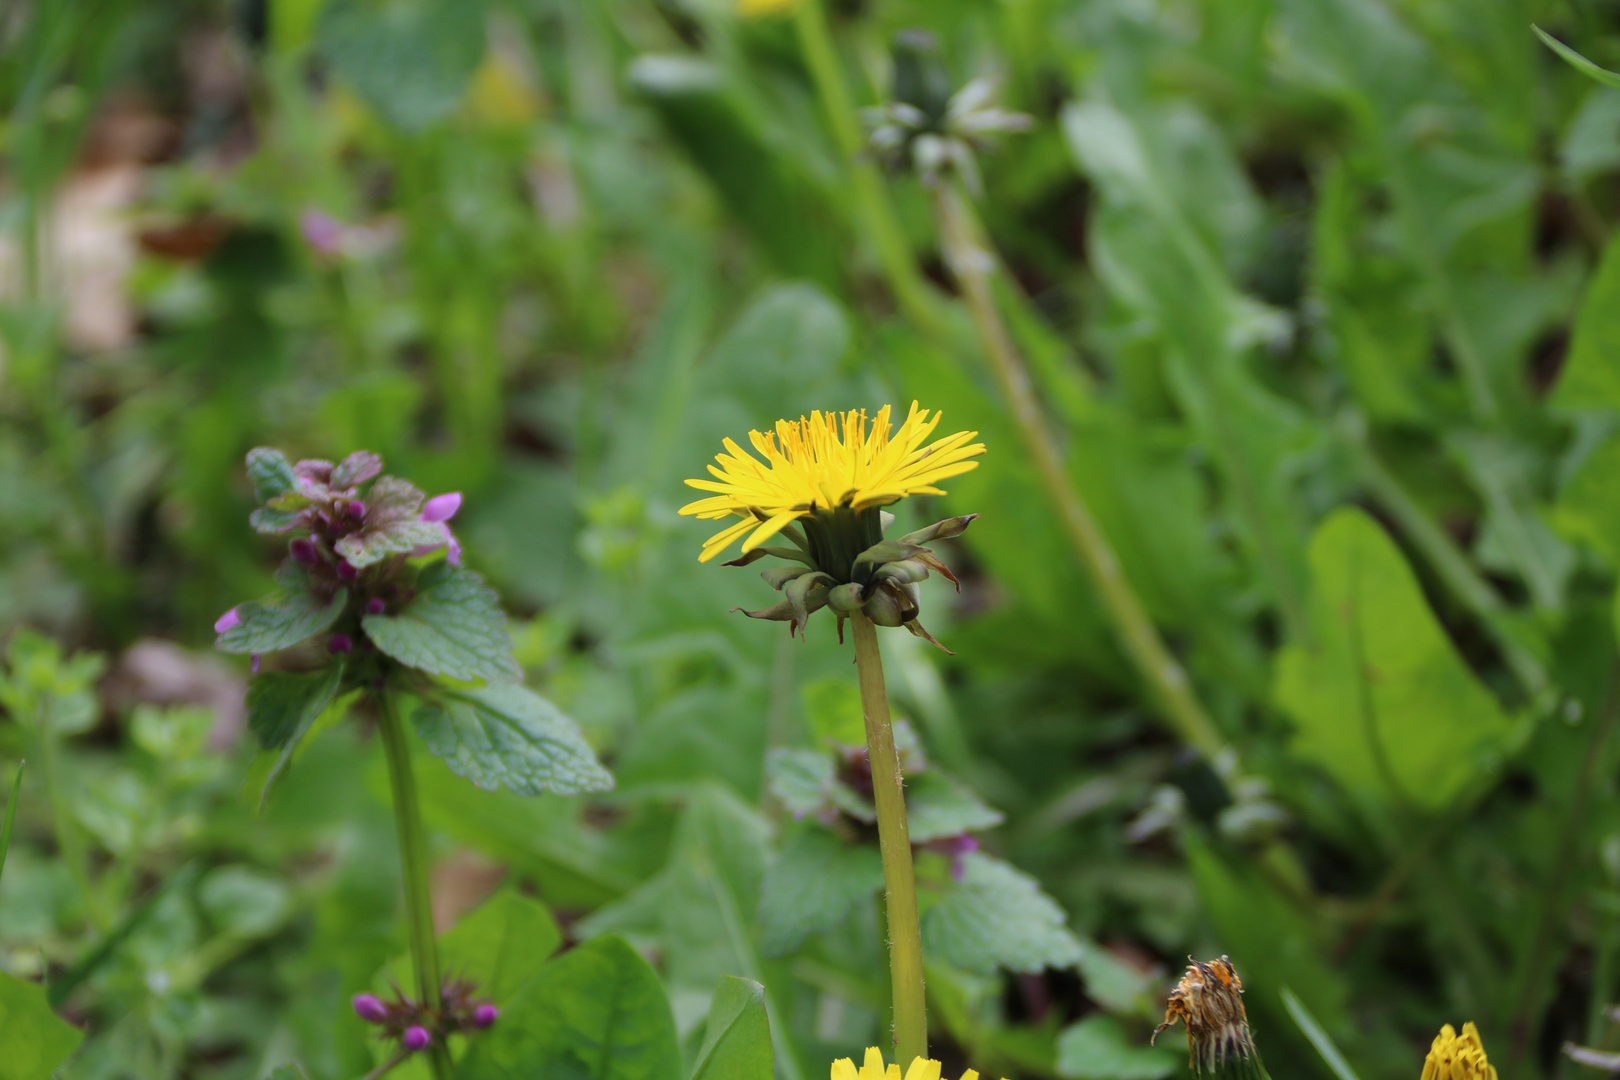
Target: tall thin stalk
column 894, row 839
column 413, row 857
column 972, row 262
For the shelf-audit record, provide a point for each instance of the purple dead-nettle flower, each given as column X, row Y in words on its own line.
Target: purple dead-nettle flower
column 485, row 1015
column 376, row 606
column 340, row 643
column 322, row 232
column 440, row 509
column 416, row 1038
column 370, row 1008
column 226, row 621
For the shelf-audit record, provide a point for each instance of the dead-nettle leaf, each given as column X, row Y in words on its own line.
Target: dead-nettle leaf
column 454, row 628
column 507, row 736
column 357, row 468
column 395, row 538
column 270, row 472
column 283, row 619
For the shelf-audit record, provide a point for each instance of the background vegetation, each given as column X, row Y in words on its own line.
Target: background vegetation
column 1321, row 303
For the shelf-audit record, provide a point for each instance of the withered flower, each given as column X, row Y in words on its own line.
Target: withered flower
column 1209, row 1000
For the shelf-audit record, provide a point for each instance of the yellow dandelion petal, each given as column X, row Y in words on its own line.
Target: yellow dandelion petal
column 1458, row 1057
column 923, row 1069
column 844, row 1069
column 874, row 1069
column 826, row 461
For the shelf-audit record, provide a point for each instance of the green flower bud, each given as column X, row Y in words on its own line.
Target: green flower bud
column 940, row 530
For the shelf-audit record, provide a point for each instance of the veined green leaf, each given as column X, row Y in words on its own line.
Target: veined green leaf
column 508, row 736
column 737, row 1039
column 283, row 619
column 454, row 628
column 814, row 882
column 998, row 917
column 35, row 1039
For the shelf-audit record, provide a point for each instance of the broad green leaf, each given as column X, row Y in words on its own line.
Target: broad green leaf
column 454, row 628
column 272, row 474
column 35, row 1040
column 814, row 882
column 1588, row 507
column 597, row 1012
column 737, row 1039
column 1516, row 538
column 411, row 60
column 1591, row 373
column 1380, row 698
column 1096, row 1049
column 502, row 945
column 282, row 710
column 938, row 806
column 1576, row 60
column 505, row 735
column 282, row 620
column 499, row 947
column 998, row 917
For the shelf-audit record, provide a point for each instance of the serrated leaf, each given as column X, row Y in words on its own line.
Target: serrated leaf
column 454, row 628
column 392, row 499
column 36, row 1041
column 283, row 707
column 807, row 783
column 394, row 538
column 597, row 1012
column 1096, row 1049
column 998, row 917
column 270, row 521
column 737, row 1038
column 272, row 474
column 508, row 736
column 357, row 468
column 282, row 620
column 812, row 885
column 938, row 806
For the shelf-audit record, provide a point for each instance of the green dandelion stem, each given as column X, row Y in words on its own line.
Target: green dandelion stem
column 413, row 859
column 972, row 263
column 899, row 881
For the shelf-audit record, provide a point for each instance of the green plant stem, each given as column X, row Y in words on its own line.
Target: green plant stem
column 894, row 838
column 413, row 857
column 877, row 218
column 972, row 263
column 69, row 841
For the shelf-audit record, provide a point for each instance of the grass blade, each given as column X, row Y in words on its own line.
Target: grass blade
column 1318, row 1037
column 11, row 814
column 1576, row 60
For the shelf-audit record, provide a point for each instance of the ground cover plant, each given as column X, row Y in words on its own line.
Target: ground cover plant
column 1176, row 437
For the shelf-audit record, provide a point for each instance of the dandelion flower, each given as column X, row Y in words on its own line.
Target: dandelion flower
column 872, row 1069
column 1458, row 1057
column 833, row 473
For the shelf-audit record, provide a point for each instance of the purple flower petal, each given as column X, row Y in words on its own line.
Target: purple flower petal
column 416, row 1038
column 226, row 621
column 340, row 643
column 369, row 1007
column 321, row 231
column 485, row 1015
column 455, row 552
column 376, row 606
column 441, row 507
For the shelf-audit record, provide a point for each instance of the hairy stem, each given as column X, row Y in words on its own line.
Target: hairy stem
column 894, row 838
column 972, row 263
column 413, row 858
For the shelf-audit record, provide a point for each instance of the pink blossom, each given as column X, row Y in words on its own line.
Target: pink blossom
column 226, row 621
column 321, row 231
column 441, row 507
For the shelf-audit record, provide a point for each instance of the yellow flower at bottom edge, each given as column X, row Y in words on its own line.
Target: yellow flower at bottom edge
column 1458, row 1057
column 872, row 1069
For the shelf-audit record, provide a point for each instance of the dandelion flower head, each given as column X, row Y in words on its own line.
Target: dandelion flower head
column 872, row 1069
column 826, row 462
column 1458, row 1057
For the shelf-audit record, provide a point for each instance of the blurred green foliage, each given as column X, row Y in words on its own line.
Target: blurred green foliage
column 1319, row 296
